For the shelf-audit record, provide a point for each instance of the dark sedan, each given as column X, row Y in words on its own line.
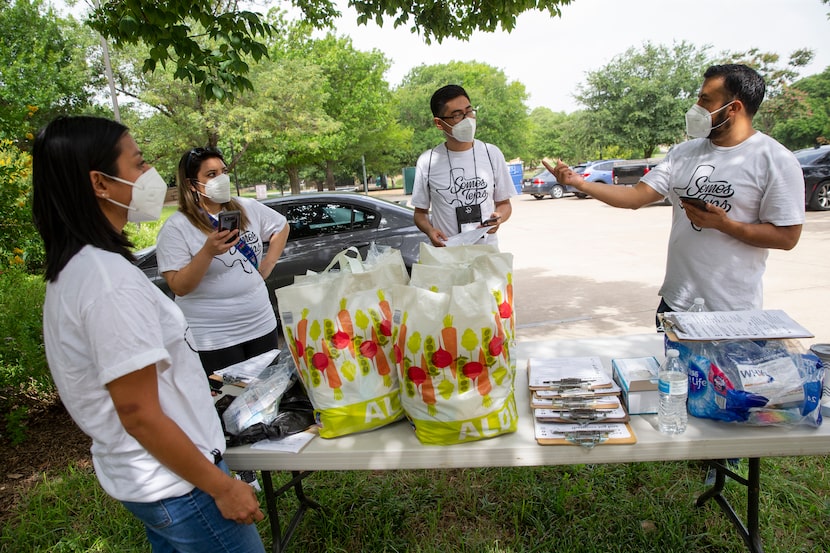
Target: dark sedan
column 545, row 184
column 321, row 226
column 815, row 163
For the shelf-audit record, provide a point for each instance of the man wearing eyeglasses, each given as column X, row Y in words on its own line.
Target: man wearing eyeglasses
column 465, row 181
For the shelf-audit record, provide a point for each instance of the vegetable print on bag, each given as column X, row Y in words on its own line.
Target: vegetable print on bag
column 452, row 359
column 339, row 334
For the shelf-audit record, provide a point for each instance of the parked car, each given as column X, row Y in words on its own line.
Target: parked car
column 543, row 184
column 630, row 171
column 596, row 171
column 815, row 163
column 321, row 226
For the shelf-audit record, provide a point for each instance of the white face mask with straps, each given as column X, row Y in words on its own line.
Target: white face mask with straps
column 218, row 188
column 699, row 120
column 464, row 130
column 147, row 200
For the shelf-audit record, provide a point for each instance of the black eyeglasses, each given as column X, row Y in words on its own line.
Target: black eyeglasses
column 459, row 116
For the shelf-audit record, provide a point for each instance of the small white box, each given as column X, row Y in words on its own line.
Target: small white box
column 637, row 377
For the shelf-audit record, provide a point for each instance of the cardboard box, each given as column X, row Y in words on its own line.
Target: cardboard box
column 637, row 377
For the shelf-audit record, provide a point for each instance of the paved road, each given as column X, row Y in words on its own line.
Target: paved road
column 584, row 269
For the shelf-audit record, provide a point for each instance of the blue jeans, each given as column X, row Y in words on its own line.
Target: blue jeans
column 192, row 523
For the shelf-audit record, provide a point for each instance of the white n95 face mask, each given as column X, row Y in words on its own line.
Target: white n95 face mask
column 699, row 120
column 147, row 201
column 465, row 130
column 218, row 188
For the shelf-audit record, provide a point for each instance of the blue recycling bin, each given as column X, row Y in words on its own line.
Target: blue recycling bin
column 516, row 173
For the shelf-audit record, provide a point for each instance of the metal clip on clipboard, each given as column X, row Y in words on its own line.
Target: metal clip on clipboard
column 585, row 416
column 566, row 384
column 587, row 438
column 568, row 403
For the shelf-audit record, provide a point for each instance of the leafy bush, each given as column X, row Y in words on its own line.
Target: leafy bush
column 25, row 382
column 20, row 244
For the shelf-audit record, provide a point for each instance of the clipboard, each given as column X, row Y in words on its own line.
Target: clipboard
column 568, row 373
column 592, row 402
column 582, row 416
column 613, row 433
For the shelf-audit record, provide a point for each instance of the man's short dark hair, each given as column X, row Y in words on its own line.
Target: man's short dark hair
column 742, row 82
column 443, row 95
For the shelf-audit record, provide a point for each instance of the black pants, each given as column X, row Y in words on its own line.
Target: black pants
column 662, row 308
column 216, row 359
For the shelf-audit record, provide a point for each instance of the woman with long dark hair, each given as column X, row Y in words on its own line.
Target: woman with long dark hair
column 219, row 284
column 119, row 350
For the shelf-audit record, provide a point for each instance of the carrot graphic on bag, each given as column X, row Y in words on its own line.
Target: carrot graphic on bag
column 324, row 362
column 427, row 390
column 382, row 363
column 484, row 385
column 449, row 337
column 346, row 334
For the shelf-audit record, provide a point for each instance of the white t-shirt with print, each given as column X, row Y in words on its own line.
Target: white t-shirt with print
column 445, row 180
column 103, row 319
column 231, row 304
column 757, row 181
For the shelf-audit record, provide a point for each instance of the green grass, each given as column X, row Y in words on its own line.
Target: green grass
column 639, row 507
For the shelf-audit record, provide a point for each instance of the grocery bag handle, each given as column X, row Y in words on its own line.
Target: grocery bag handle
column 354, row 264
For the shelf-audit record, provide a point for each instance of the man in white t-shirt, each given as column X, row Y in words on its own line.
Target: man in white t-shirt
column 735, row 191
column 464, row 181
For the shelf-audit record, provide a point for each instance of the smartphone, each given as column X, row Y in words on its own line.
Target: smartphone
column 229, row 220
column 489, row 222
column 697, row 203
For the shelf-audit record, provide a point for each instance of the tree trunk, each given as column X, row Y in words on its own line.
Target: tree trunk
column 330, row 175
column 294, row 178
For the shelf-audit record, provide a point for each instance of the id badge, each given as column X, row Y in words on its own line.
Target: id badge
column 468, row 216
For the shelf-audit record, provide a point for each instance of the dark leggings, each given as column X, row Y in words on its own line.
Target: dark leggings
column 216, row 359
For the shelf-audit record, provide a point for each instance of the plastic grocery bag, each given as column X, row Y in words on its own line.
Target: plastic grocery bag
column 450, row 354
column 440, row 268
column 259, row 402
column 756, row 382
column 338, row 328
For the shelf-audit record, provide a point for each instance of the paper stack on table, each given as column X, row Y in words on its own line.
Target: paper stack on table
column 575, row 401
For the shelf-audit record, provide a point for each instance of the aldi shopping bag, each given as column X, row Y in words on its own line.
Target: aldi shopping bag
column 439, row 268
column 456, row 378
column 338, row 327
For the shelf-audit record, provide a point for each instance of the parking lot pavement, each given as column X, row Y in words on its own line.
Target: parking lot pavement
column 583, row 269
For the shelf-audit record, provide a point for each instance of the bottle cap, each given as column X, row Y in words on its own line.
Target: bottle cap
column 700, row 301
column 672, row 353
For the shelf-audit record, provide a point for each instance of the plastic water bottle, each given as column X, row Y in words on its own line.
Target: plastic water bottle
column 673, row 384
column 699, row 306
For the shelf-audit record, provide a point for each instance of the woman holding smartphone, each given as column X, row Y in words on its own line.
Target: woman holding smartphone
column 118, row 349
column 218, row 276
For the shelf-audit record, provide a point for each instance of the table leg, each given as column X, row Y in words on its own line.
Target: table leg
column 278, row 538
column 751, row 532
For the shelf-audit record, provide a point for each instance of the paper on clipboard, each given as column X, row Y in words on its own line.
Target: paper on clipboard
column 734, row 325
column 543, row 372
column 553, row 433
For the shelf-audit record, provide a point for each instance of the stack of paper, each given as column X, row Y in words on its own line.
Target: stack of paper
column 575, row 401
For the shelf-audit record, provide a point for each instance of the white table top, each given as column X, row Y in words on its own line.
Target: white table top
column 396, row 447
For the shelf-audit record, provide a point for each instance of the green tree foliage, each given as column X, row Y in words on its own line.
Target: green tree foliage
column 502, row 112
column 810, row 123
column 44, row 68
column 781, row 103
column 359, row 99
column 639, row 99
column 240, row 35
column 547, row 139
